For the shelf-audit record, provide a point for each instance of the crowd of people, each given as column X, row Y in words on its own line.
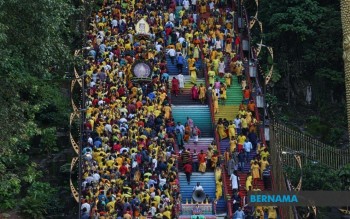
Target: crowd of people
column 130, row 168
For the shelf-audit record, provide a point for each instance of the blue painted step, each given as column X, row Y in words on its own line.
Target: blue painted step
column 200, row 114
column 172, row 69
column 207, row 181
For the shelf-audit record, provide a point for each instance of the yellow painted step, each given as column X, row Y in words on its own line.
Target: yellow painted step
column 228, row 112
column 188, row 84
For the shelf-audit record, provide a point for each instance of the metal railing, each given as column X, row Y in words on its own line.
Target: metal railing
column 279, row 181
column 309, row 148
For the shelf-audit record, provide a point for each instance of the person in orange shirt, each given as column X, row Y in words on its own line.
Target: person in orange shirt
column 251, row 106
column 246, row 94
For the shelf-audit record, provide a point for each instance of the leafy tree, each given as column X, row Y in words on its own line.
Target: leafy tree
column 344, row 174
column 315, row 177
column 35, row 48
column 39, row 201
column 306, row 36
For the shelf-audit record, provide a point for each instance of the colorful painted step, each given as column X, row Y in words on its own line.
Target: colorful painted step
column 227, row 111
column 207, row 181
column 172, row 68
column 200, row 114
column 184, row 98
column 234, row 93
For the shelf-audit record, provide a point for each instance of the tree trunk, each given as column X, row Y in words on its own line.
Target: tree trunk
column 345, row 18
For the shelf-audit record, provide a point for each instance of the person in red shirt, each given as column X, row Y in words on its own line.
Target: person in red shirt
column 123, row 169
column 188, row 172
column 237, row 43
column 175, row 86
column 202, row 158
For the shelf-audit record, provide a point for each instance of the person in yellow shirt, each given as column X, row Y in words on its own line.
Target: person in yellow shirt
column 216, row 62
column 255, row 172
column 231, row 130
column 263, row 165
column 240, row 141
column 264, row 154
column 244, row 125
column 167, row 213
column 272, row 212
column 233, row 144
column 218, row 193
column 220, row 128
column 248, row 182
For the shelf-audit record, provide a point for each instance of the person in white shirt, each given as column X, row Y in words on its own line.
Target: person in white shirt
column 194, row 15
column 198, row 187
column 87, row 206
column 108, row 128
column 172, row 54
column 247, row 148
column 90, row 141
column 114, row 23
column 181, row 79
column 101, row 102
column 154, row 163
column 186, row 4
column 181, row 39
column 212, row 5
column 153, row 209
column 177, row 34
column 159, row 47
column 96, row 177
column 237, row 122
column 234, row 181
column 194, row 5
column 172, row 17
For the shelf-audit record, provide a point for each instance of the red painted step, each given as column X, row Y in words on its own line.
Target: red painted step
column 242, row 189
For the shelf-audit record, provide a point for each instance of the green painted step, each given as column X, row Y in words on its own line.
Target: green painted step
column 234, row 93
column 200, row 114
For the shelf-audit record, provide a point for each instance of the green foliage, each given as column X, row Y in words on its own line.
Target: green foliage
column 271, row 99
column 35, row 51
column 48, row 140
column 315, row 127
column 39, row 200
column 32, row 174
column 306, row 36
column 344, row 174
column 10, row 185
column 315, row 177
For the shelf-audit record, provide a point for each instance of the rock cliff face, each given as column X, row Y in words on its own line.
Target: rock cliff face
column 345, row 17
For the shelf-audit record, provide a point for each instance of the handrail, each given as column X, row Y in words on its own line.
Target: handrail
column 311, row 148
